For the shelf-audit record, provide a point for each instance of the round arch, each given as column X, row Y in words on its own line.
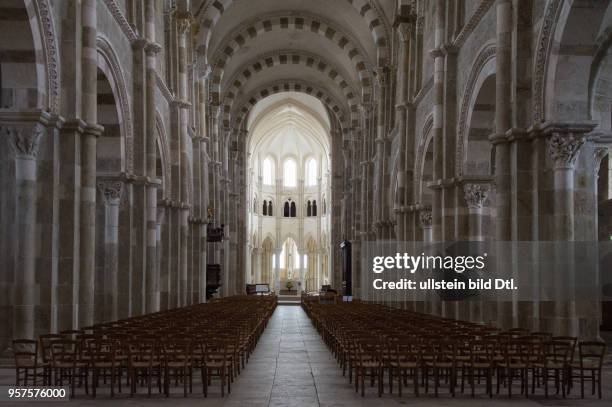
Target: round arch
column 483, row 67
column 299, row 58
column 212, row 11
column 242, row 110
column 286, row 21
column 108, row 63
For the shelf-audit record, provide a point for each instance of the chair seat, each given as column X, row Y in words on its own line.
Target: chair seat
column 405, row 364
column 102, row 365
column 585, row 366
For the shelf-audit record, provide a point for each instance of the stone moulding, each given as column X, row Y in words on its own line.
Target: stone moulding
column 47, row 28
column 123, row 23
column 473, row 22
column 485, row 55
column 544, row 45
column 106, row 50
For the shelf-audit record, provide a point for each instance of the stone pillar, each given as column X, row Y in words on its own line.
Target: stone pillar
column 160, row 218
column 152, row 295
column 184, row 23
column 404, row 31
column 438, row 116
column 431, row 304
column 89, row 108
column 475, row 196
column 503, row 119
column 277, row 254
column 426, row 218
column 563, row 149
column 507, row 313
column 111, row 191
column 24, row 138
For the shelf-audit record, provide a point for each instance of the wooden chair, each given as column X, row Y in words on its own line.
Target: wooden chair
column 144, row 362
column 441, row 359
column 406, row 364
column 66, row 364
column 368, row 359
column 480, row 365
column 588, row 366
column 554, row 359
column 104, row 362
column 178, row 364
column 515, row 362
column 216, row 364
column 25, row 352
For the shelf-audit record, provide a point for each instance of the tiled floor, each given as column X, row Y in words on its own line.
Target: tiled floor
column 292, row 367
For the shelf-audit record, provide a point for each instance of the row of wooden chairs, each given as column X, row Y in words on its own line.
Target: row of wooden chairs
column 215, row 339
column 376, row 341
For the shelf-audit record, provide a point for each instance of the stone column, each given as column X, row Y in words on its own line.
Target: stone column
column 24, row 138
column 404, row 31
column 475, row 196
column 563, row 150
column 277, row 254
column 89, row 107
column 431, row 304
column 184, row 23
column 111, row 191
column 160, row 218
column 438, row 116
column 426, row 218
column 152, row 294
column 503, row 119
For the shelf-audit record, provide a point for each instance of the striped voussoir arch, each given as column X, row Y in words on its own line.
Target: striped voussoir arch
column 242, row 110
column 278, row 58
column 213, row 10
column 286, row 22
column 377, row 27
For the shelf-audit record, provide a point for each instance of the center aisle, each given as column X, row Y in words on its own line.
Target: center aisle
column 291, row 366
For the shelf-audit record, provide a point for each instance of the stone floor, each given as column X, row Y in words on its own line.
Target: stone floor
column 292, row 367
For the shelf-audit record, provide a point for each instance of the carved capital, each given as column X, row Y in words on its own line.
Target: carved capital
column 152, row 48
column 598, row 154
column 563, row 149
column 111, row 190
column 425, row 216
column 184, row 22
column 24, row 139
column 476, row 195
column 404, row 30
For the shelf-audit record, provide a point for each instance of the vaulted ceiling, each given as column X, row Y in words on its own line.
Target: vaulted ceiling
column 334, row 45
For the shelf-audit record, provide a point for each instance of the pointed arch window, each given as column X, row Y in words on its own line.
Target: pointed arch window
column 308, row 209
column 290, row 173
column 286, row 211
column 270, row 212
column 314, row 208
column 268, row 171
column 265, row 208
column 311, row 172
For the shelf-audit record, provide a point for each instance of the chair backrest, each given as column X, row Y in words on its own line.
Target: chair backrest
column 178, row 350
column 25, row 352
column 557, row 351
column 65, row 351
column 104, row 351
column 143, row 350
column 482, row 350
column 591, row 352
column 571, row 340
column 45, row 345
